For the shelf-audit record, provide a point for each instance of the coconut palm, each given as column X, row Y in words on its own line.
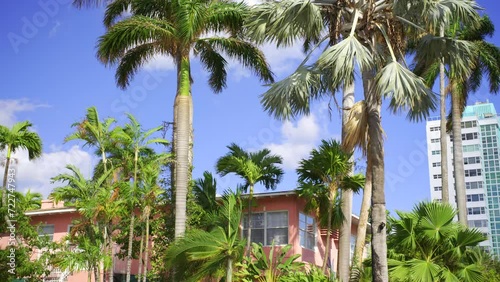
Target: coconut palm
column 134, row 139
column 427, row 245
column 328, row 166
column 486, row 60
column 16, row 138
column 177, row 29
column 254, row 167
column 215, row 251
column 373, row 36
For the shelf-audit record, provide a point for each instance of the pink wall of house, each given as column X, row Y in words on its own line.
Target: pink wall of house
column 289, row 201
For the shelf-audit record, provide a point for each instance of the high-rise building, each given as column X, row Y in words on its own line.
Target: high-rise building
column 480, row 142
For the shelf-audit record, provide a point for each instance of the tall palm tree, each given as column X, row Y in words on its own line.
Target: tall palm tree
column 373, row 35
column 13, row 139
column 486, row 60
column 328, row 166
column 135, row 139
column 217, row 250
column 356, row 136
column 427, row 245
column 177, row 29
column 254, row 167
column 29, row 201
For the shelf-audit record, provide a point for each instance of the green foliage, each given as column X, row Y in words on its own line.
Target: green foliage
column 427, row 245
column 277, row 266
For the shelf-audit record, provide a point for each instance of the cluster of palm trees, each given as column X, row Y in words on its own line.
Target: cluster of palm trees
column 124, row 184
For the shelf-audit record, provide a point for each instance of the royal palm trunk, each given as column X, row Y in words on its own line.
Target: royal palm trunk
column 442, row 126
column 5, row 176
column 379, row 218
column 132, row 217
column 458, row 162
column 345, row 228
column 182, row 133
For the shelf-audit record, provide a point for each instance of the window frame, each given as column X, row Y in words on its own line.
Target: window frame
column 306, row 233
column 265, row 228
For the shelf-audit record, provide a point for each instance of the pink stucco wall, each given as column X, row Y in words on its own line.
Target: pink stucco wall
column 295, row 205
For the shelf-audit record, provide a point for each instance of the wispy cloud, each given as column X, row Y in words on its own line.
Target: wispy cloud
column 299, row 138
column 10, row 107
column 160, row 62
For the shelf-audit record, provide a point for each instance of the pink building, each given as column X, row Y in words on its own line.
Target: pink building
column 278, row 217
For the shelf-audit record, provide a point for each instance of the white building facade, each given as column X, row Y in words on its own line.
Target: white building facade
column 480, row 142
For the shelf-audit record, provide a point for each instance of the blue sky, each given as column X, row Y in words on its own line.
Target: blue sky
column 50, row 75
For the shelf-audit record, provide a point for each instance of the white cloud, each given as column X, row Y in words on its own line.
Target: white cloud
column 297, row 140
column 160, row 62
column 9, row 107
column 36, row 174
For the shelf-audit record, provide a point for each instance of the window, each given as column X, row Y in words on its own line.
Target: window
column 307, row 231
column 472, row 160
column 268, row 226
column 436, row 152
column 475, row 198
column 46, row 231
column 469, row 136
column 469, row 124
column 478, row 223
column 438, row 188
column 470, row 148
column 438, row 164
column 473, row 172
column 474, row 185
column 435, row 128
column 435, row 140
column 476, row 210
column 437, row 176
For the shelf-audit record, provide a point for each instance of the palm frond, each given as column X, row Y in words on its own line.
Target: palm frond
column 293, row 95
column 406, row 91
column 356, row 128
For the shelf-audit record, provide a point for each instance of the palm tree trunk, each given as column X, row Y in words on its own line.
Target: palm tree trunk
column 89, row 276
column 139, row 272
column 363, row 216
column 444, row 149
column 111, row 253
column 458, row 162
column 130, row 244
column 5, row 176
column 333, row 194
column 345, row 228
column 97, row 276
column 249, row 238
column 104, row 250
column 379, row 217
column 146, row 251
column 182, row 132
column 229, row 271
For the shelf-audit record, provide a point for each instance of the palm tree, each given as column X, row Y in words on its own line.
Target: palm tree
column 254, row 167
column 217, row 250
column 328, row 166
column 357, row 136
column 486, row 60
column 175, row 29
column 372, row 35
column 427, row 245
column 97, row 202
column 29, row 201
column 94, row 132
column 13, row 139
column 135, row 140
